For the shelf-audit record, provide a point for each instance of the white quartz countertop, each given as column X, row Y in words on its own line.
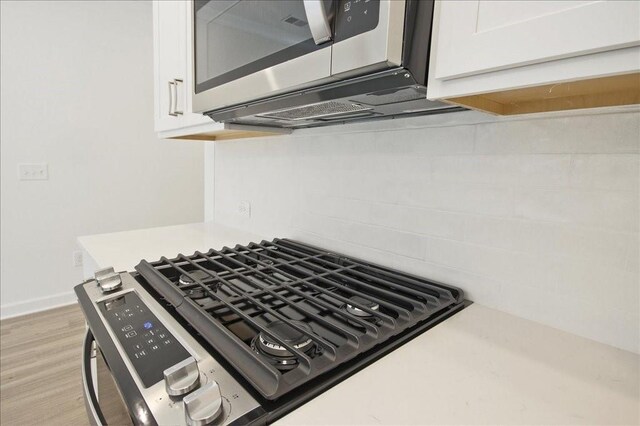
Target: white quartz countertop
column 483, row 366
column 480, row 366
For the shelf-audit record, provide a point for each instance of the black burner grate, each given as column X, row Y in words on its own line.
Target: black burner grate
column 234, row 298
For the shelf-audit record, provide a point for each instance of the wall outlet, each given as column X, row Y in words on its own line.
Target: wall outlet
column 77, row 258
column 244, row 209
column 33, row 171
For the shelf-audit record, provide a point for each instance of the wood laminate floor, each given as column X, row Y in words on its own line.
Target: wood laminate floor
column 40, row 380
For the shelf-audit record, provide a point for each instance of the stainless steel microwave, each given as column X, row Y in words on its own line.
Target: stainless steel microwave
column 303, row 63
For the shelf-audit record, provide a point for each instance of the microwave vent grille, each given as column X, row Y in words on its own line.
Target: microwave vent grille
column 314, row 111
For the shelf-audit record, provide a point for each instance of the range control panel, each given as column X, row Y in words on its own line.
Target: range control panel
column 148, row 344
column 355, row 17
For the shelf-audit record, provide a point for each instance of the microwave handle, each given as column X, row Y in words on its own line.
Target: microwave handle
column 318, row 21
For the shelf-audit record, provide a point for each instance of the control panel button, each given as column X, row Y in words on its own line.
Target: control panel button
column 182, row 377
column 204, row 405
column 355, row 17
column 140, row 354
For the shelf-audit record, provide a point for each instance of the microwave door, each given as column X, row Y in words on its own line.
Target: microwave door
column 245, row 50
column 368, row 36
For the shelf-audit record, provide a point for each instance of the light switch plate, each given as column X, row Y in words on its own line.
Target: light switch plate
column 33, row 171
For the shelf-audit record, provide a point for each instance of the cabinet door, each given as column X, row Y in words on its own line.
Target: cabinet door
column 480, row 36
column 169, row 63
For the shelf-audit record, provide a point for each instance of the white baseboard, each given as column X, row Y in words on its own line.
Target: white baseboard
column 11, row 310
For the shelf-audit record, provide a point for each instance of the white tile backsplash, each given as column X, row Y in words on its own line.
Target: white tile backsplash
column 537, row 217
column 494, row 232
column 603, row 171
column 440, row 141
column 598, row 209
column 543, row 170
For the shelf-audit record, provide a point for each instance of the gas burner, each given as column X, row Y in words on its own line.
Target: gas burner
column 364, row 315
column 277, row 354
column 195, row 292
column 364, row 302
column 189, row 279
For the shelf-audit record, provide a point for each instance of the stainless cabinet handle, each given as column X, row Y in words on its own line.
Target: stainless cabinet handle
column 172, row 98
column 318, row 19
column 175, row 105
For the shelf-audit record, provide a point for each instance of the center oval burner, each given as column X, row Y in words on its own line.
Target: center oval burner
column 277, row 354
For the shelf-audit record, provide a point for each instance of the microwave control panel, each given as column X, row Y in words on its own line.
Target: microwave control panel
column 148, row 344
column 355, row 17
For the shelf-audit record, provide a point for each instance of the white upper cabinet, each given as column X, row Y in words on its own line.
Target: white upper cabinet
column 169, row 66
column 493, row 35
column 172, row 77
column 494, row 46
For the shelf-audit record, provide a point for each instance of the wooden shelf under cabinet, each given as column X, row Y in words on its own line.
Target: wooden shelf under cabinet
column 222, row 131
column 591, row 93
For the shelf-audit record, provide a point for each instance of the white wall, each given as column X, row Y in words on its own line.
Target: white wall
column 77, row 83
column 536, row 217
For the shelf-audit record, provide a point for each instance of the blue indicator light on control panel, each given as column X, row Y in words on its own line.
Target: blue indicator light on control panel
column 147, row 325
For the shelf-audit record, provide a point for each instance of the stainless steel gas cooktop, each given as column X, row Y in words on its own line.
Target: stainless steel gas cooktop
column 246, row 334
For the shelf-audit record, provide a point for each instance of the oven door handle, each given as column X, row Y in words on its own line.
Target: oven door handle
column 90, row 398
column 319, row 20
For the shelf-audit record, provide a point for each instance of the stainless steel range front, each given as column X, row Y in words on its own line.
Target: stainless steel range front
column 244, row 335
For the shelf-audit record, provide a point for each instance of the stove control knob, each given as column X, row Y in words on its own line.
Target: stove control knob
column 182, row 377
column 108, row 279
column 204, row 405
